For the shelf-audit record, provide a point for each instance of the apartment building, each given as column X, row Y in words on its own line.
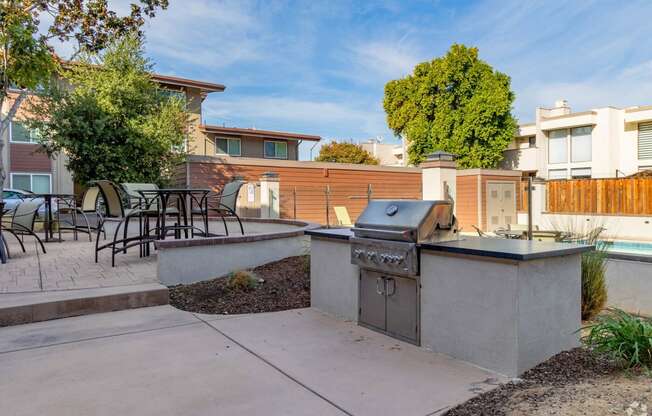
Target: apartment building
column 31, row 169
column 604, row 142
column 387, row 154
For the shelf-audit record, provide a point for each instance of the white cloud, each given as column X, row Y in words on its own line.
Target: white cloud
column 327, row 118
column 385, row 59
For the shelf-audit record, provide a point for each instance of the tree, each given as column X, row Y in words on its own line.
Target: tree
column 112, row 121
column 456, row 103
column 26, row 55
column 345, row 153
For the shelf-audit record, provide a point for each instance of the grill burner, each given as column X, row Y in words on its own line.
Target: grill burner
column 387, row 232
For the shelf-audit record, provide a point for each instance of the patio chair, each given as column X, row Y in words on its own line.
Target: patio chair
column 135, row 200
column 88, row 209
column 223, row 204
column 116, row 212
column 482, row 233
column 22, row 222
column 343, row 217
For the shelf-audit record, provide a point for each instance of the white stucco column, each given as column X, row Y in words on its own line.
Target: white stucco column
column 270, row 195
column 439, row 176
column 538, row 201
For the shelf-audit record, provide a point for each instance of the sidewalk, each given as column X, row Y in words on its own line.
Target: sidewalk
column 162, row 361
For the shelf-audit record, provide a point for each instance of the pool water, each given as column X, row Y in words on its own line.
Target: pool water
column 631, row 247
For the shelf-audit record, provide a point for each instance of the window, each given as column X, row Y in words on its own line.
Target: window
column 39, row 183
column 225, row 146
column 532, row 141
column 276, row 150
column 557, row 174
column 557, row 146
column 581, row 144
column 581, row 173
column 645, row 141
column 21, row 134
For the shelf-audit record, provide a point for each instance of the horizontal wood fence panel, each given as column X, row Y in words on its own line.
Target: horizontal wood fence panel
column 618, row 196
column 307, row 192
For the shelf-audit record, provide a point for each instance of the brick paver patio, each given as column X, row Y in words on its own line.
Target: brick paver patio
column 70, row 265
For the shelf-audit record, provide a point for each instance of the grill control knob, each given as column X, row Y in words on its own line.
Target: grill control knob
column 371, row 256
column 384, row 258
column 358, row 253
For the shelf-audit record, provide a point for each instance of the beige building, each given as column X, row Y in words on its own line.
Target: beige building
column 30, row 169
column 387, row 154
column 604, row 142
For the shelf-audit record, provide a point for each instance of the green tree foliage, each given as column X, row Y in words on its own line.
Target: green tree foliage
column 343, row 152
column 456, row 103
column 26, row 56
column 111, row 119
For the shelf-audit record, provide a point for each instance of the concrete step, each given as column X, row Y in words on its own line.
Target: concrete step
column 23, row 308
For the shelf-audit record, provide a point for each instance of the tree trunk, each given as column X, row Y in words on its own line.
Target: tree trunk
column 5, row 121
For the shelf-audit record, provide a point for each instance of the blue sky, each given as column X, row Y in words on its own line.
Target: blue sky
column 320, row 66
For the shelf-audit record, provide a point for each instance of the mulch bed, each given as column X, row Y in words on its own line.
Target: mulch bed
column 286, row 286
column 567, row 368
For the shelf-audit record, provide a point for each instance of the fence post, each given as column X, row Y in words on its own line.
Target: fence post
column 369, row 192
column 328, row 206
column 294, row 202
column 529, row 208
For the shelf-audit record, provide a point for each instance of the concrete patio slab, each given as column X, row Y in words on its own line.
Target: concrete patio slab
column 162, row 361
column 364, row 372
column 22, row 308
column 182, row 370
column 80, row 328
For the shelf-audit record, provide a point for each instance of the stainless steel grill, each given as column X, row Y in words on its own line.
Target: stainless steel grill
column 387, row 233
column 385, row 247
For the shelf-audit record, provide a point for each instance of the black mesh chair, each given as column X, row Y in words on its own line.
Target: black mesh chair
column 117, row 213
column 223, row 205
column 22, row 222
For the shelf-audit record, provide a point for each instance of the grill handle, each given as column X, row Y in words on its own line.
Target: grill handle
column 380, row 280
column 393, row 282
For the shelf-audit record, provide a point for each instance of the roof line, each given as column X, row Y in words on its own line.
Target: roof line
column 237, row 131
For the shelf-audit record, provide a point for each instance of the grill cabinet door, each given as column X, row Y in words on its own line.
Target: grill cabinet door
column 372, row 303
column 402, row 308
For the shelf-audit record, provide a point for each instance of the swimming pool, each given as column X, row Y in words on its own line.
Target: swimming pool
column 630, row 247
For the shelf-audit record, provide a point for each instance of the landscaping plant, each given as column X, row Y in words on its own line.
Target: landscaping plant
column 594, row 286
column 622, row 336
column 242, row 280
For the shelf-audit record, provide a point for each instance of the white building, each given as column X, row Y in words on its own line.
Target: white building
column 600, row 143
column 387, row 154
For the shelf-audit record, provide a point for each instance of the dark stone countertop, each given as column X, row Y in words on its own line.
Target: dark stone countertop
column 507, row 249
column 336, row 233
column 500, row 248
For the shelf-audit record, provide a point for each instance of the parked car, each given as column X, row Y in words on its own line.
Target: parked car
column 13, row 197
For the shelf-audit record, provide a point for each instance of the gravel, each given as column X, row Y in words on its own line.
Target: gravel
column 285, row 285
column 548, row 389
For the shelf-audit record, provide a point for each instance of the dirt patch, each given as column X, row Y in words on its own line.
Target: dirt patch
column 572, row 383
column 285, row 284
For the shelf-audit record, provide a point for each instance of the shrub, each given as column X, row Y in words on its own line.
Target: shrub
column 242, row 280
column 622, row 336
column 594, row 287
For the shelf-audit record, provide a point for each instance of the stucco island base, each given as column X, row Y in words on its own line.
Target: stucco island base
column 503, row 315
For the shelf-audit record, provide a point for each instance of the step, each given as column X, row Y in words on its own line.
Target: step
column 23, row 308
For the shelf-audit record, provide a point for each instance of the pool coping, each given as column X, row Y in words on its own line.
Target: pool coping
column 617, row 255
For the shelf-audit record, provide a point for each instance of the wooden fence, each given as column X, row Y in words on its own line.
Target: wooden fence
column 626, row 196
column 310, row 190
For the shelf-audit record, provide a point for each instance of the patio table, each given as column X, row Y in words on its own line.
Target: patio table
column 184, row 196
column 50, row 199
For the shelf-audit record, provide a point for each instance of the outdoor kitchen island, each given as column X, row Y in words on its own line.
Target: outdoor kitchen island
column 504, row 305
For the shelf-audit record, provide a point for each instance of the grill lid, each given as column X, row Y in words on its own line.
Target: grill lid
column 408, row 220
